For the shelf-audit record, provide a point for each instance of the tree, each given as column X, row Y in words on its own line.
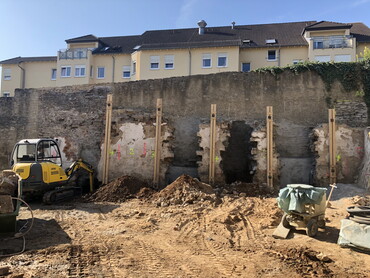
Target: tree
column 366, row 54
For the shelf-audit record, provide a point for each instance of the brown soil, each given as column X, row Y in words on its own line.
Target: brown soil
column 231, row 237
column 185, row 190
column 121, row 189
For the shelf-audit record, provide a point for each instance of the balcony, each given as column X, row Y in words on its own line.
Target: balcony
column 332, row 42
column 78, row 53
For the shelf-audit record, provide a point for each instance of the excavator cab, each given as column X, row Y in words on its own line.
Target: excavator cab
column 39, row 163
column 33, row 150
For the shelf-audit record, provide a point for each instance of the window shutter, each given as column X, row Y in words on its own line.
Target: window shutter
column 168, row 59
column 154, row 59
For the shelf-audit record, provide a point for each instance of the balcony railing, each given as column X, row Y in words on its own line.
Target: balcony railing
column 332, row 42
column 79, row 53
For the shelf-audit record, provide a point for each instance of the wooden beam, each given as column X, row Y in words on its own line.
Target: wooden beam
column 332, row 147
column 158, row 142
column 108, row 120
column 269, row 135
column 212, row 144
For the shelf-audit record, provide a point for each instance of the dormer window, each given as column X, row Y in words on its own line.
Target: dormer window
column 270, row 41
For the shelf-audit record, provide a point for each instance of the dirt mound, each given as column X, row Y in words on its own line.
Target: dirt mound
column 185, row 190
column 121, row 189
column 306, row 262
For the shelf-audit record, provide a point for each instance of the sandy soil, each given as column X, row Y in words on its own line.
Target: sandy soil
column 226, row 236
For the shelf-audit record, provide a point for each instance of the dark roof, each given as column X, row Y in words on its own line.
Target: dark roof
column 327, row 25
column 285, row 34
column 87, row 38
column 117, row 44
column 17, row 60
column 361, row 32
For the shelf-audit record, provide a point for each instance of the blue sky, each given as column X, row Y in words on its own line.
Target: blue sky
column 39, row 27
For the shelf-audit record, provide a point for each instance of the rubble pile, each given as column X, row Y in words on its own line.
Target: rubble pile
column 361, row 200
column 185, row 190
column 8, row 183
column 306, row 262
column 244, row 189
column 121, row 189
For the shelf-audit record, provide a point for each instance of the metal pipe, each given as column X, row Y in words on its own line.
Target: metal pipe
column 189, row 61
column 114, row 65
column 23, row 81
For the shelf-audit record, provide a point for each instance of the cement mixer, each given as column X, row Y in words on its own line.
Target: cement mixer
column 10, row 203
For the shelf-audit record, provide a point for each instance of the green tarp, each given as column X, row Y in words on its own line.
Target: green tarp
column 295, row 196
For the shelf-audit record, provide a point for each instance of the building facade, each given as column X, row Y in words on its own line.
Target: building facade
column 183, row 52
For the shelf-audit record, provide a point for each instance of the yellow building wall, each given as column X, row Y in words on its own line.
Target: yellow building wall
column 181, row 64
column 37, row 75
column 73, row 80
column 257, row 57
column 121, row 61
column 14, row 82
column 197, row 60
column 82, row 45
column 136, row 57
column 289, row 54
column 105, row 61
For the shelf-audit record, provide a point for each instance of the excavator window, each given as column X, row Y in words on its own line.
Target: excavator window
column 25, row 153
column 49, row 151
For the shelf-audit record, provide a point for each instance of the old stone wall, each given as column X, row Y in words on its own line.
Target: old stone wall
column 349, row 153
column 77, row 116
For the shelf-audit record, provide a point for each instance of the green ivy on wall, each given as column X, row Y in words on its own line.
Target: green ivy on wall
column 354, row 76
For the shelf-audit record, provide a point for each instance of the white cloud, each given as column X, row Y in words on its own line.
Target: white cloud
column 360, row 2
column 188, row 7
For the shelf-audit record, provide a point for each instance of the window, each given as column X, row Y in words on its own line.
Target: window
column 246, row 67
column 101, row 73
column 271, row 55
column 65, row 71
column 6, row 94
column 169, row 61
column 133, row 67
column 126, row 72
column 53, row 74
column 7, row 74
column 207, row 61
column 342, row 58
column 297, row 61
column 154, row 62
column 322, row 58
column 222, row 60
column 91, row 71
column 318, row 44
column 80, row 71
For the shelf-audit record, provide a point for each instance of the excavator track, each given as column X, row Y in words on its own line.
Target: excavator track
column 60, row 194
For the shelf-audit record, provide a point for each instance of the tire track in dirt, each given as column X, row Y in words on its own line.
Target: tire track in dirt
column 220, row 257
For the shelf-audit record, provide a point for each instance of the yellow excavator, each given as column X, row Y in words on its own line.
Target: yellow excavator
column 39, row 163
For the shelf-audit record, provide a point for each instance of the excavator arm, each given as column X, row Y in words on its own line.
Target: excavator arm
column 80, row 164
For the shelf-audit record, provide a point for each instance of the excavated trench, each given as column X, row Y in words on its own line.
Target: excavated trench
column 237, row 160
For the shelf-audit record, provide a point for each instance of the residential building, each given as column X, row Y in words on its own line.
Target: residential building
column 183, row 52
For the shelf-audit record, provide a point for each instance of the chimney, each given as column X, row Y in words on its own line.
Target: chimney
column 233, row 25
column 202, row 26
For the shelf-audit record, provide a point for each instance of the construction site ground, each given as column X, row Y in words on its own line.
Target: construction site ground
column 180, row 232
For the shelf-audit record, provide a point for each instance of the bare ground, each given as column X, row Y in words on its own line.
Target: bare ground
column 208, row 237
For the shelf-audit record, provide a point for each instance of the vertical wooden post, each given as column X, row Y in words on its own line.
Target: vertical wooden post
column 332, row 147
column 269, row 135
column 212, row 144
column 158, row 142
column 108, row 119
